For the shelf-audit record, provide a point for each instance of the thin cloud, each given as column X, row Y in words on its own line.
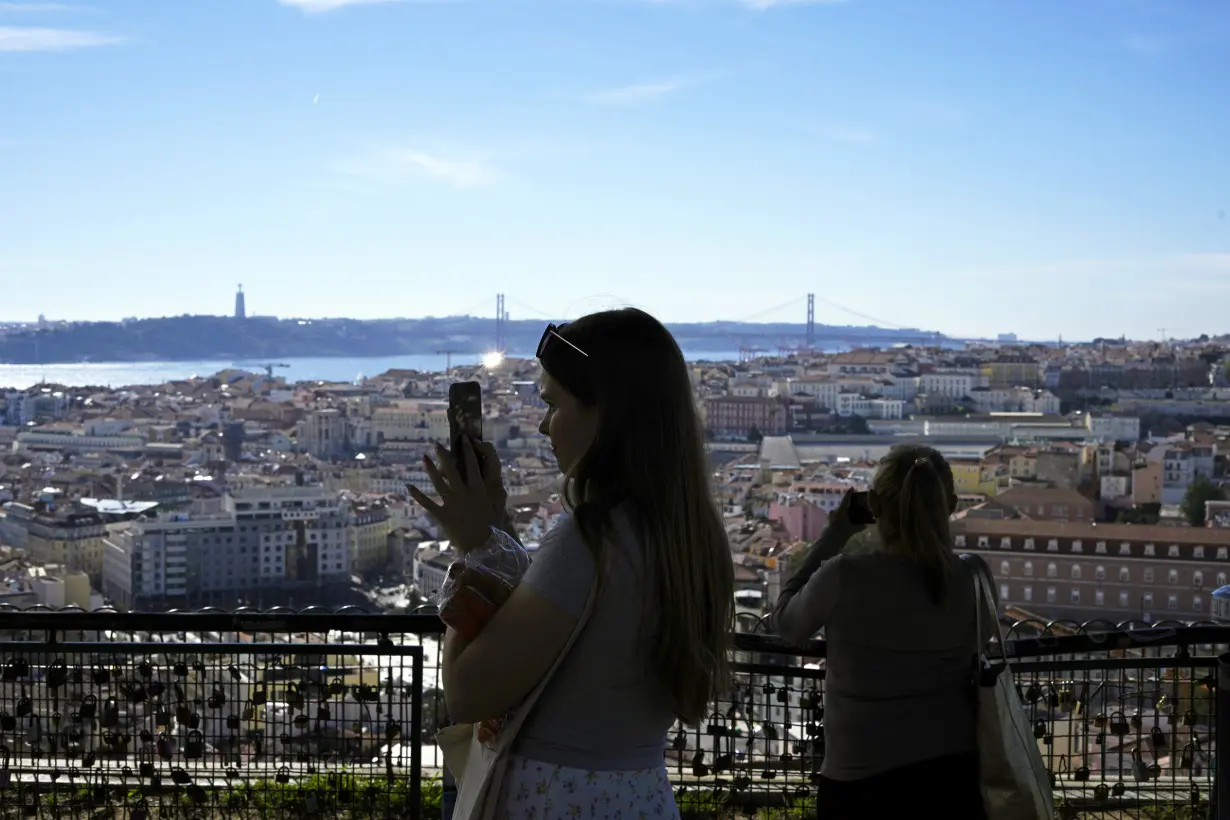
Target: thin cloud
column 36, row 8
column 638, row 93
column 311, row 6
column 321, row 6
column 1146, row 45
column 853, row 135
column 764, row 5
column 29, row 38
column 401, row 165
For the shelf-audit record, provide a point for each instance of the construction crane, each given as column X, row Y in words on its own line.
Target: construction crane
column 269, row 368
column 448, row 360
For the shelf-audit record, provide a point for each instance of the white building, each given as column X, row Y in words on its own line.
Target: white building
column 261, row 538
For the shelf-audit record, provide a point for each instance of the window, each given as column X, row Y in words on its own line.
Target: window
column 1005, row 543
column 1197, row 578
column 1029, row 543
column 1146, row 601
column 1125, row 574
column 1003, row 593
column 1052, row 545
column 1173, row 576
column 1123, row 599
column 1197, row 552
column 1076, row 546
column 1125, row 548
column 1051, row 595
column 1221, row 553
column 1027, row 594
column 1076, row 572
column 1149, row 551
column 1173, row 551
column 1172, row 602
column 1052, row 571
column 1197, row 604
column 983, row 542
column 1149, row 575
column 1075, row 596
column 1221, row 579
column 960, row 541
column 1029, row 568
column 1099, row 598
column 1005, row 568
column 1100, row 573
column 1100, row 548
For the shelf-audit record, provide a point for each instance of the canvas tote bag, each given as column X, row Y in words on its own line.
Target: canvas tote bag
column 479, row 769
column 1015, row 782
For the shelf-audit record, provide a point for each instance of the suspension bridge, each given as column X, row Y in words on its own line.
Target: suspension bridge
column 780, row 323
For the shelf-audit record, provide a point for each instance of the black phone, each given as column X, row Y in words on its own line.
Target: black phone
column 860, row 508
column 465, row 418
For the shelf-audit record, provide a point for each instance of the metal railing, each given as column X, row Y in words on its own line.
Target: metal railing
column 284, row 714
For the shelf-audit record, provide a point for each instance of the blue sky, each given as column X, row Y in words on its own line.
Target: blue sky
column 1045, row 167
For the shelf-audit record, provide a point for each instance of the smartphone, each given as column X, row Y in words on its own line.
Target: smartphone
column 465, row 418
column 860, row 509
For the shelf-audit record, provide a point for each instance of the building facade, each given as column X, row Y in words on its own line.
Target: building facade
column 1083, row 570
column 262, row 545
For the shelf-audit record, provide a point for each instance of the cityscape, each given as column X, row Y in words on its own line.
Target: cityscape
column 1093, row 477
column 247, row 248
column 1068, row 445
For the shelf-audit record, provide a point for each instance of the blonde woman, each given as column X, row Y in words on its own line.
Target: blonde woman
column 643, row 558
column 899, row 623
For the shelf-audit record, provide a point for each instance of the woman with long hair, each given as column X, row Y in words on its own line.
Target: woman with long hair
column 899, row 621
column 643, row 537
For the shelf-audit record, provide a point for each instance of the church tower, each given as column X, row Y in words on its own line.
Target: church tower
column 240, row 311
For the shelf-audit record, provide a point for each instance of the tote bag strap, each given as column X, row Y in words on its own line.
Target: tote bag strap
column 528, row 704
column 986, row 614
column 484, row 802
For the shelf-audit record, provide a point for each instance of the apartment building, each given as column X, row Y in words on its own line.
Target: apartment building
column 1083, row 570
column 67, row 538
column 1011, row 370
column 1182, row 463
column 1014, row 400
column 1043, row 504
column 370, row 526
column 739, row 416
column 951, row 384
column 261, row 543
column 869, row 363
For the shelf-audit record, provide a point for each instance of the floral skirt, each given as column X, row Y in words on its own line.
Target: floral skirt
column 541, row 791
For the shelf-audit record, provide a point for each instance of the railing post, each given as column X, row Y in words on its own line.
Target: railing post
column 1219, row 805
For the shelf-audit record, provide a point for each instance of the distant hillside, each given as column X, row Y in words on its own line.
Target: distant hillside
column 188, row 338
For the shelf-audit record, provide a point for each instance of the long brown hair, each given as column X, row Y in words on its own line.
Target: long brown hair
column 649, row 453
column 915, row 495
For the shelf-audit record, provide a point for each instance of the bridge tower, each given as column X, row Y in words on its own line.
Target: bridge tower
column 500, row 317
column 811, row 320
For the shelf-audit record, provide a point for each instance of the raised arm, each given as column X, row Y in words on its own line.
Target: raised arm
column 808, row 598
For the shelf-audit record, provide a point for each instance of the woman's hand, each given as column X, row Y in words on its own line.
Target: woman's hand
column 467, row 510
column 841, row 519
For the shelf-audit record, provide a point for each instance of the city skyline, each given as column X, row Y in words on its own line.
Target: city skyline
column 970, row 167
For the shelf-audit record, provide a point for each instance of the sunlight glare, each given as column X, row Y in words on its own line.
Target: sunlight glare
column 493, row 359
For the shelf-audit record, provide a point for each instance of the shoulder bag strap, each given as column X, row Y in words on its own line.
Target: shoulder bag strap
column 532, row 697
column 487, row 797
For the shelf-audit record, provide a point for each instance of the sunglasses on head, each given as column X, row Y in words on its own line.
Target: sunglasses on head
column 567, row 363
column 550, row 337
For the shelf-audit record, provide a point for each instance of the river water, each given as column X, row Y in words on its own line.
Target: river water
column 331, row 369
